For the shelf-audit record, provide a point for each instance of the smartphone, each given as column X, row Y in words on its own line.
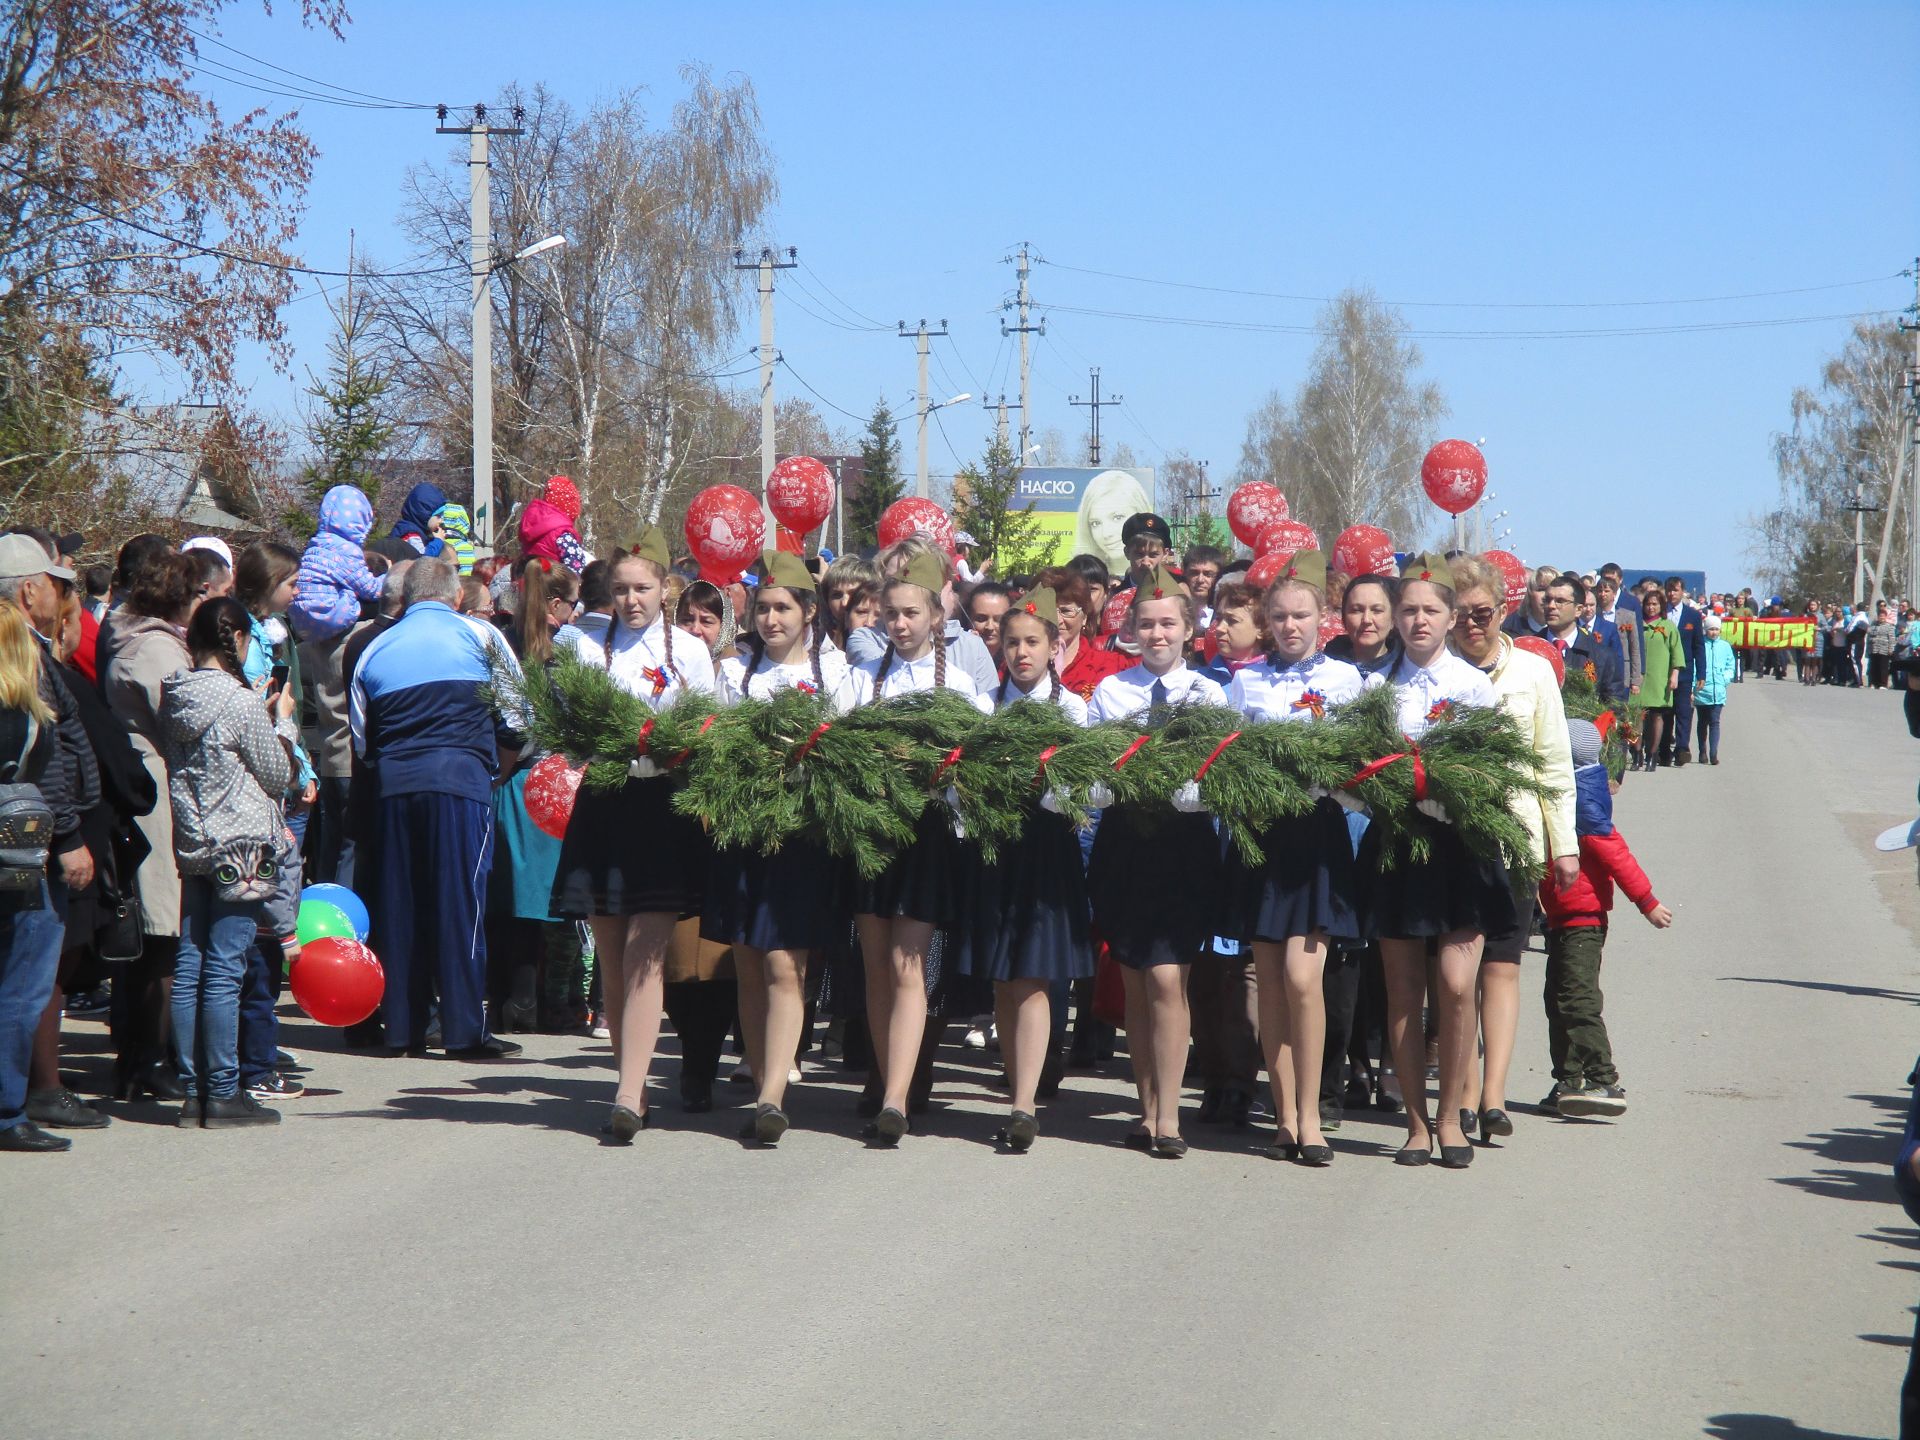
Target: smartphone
column 277, row 679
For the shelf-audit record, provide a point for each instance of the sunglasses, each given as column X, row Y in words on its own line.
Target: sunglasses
column 1479, row 617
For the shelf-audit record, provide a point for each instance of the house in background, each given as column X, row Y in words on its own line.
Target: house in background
column 181, row 463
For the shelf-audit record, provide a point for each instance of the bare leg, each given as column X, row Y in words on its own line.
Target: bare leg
column 1025, row 1017
column 1459, row 965
column 1405, row 963
column 1269, row 970
column 1307, row 1030
column 636, row 950
column 905, row 973
column 783, row 1004
column 1140, row 1041
column 750, row 970
column 1166, row 987
column 1499, row 1025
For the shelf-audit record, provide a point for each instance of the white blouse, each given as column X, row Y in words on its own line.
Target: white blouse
column 843, row 686
column 1047, row 689
column 906, row 677
column 639, row 664
column 1130, row 692
column 1304, row 690
column 1425, row 695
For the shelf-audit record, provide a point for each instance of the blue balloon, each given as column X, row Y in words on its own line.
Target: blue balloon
column 352, row 904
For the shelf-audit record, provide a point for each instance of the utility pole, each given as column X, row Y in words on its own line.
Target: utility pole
column 920, row 337
column 1023, row 330
column 764, row 266
column 1000, row 423
column 1093, row 406
column 481, row 201
column 1909, row 459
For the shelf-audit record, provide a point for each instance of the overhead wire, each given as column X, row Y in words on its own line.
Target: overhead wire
column 851, row 310
column 387, row 101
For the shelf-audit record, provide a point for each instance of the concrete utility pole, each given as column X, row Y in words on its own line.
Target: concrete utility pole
column 481, row 253
column 1910, row 461
column 921, row 336
column 1000, row 422
column 1093, row 406
column 764, row 266
column 1023, row 330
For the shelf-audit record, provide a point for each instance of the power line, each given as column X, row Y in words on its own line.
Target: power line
column 828, row 319
column 857, row 314
column 1479, row 304
column 386, row 100
column 781, row 360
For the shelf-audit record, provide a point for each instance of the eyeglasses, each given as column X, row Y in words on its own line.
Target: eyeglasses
column 1479, row 617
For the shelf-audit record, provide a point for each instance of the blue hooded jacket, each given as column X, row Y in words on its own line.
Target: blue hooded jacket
column 415, row 511
column 334, row 578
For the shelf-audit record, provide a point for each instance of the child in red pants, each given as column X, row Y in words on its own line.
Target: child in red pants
column 1585, row 1081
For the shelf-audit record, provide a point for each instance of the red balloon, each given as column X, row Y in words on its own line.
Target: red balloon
column 1264, row 571
column 1332, row 627
column 913, row 516
column 1547, row 651
column 1253, row 507
column 1115, row 615
column 1453, row 475
column 725, row 530
column 1513, row 570
column 1286, row 538
column 1363, row 550
column 337, row 981
column 800, row 493
column 551, row 786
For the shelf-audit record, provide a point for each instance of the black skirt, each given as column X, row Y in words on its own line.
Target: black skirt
column 1308, row 885
column 1026, row 916
column 1454, row 889
column 627, row 853
column 793, row 899
column 1154, row 883
column 923, row 882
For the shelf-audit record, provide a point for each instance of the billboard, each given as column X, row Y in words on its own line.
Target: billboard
column 1082, row 508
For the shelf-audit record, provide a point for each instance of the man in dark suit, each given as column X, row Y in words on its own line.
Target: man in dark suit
column 1581, row 649
column 1693, row 635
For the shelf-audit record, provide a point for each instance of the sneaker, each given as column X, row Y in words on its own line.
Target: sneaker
column 976, row 1037
column 277, row 1086
column 1593, row 1099
column 230, row 1112
column 89, row 1004
column 597, row 1027
column 287, row 1060
column 1551, row 1104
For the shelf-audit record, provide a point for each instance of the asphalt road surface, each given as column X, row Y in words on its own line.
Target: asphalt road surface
column 431, row 1248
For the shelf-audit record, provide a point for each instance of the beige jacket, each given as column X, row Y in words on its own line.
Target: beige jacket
column 137, row 653
column 1525, row 686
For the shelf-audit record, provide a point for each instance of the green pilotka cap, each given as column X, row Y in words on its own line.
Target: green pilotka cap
column 1429, row 567
column 925, row 571
column 1041, row 603
column 1307, row 567
column 1160, row 584
column 789, row 572
column 651, row 544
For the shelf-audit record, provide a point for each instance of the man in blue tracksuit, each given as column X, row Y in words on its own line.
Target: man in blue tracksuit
column 1687, row 619
column 434, row 749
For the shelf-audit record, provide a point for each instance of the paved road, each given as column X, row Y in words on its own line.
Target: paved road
column 428, row 1248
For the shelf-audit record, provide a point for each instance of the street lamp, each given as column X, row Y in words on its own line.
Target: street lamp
column 483, row 387
column 921, row 488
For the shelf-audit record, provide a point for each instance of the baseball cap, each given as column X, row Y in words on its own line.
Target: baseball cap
column 22, row 555
column 1145, row 523
column 209, row 542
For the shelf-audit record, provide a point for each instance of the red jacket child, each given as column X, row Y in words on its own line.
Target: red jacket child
column 1605, row 860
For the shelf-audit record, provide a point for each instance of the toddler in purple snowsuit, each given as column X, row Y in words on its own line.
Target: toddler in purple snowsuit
column 334, row 578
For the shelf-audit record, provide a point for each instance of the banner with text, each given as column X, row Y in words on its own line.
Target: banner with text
column 1082, row 509
column 1785, row 632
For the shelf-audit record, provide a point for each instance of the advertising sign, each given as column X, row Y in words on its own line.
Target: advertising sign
column 1081, row 509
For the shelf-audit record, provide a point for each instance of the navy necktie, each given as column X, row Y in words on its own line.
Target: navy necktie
column 1158, row 695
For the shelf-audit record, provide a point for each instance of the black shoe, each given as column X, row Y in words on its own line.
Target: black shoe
column 1137, row 1140
column 1408, row 1155
column 434, row 1040
column 1318, row 1156
column 1456, row 1157
column 1169, row 1147
column 1284, row 1149
column 624, row 1124
column 1331, row 1115
column 520, row 1017
column 1357, row 1095
column 231, row 1112
column 189, row 1116
column 157, row 1080
column 867, row 1106
column 491, row 1048
column 276, row 1086
column 1495, row 1122
column 63, row 1110
column 1240, row 1109
column 28, row 1137
column 1209, row 1106
column 888, row 1126
column 1467, row 1121
column 1050, row 1073
column 1551, row 1104
column 769, row 1123
column 1682, row 757
column 89, row 1004
column 1020, row 1131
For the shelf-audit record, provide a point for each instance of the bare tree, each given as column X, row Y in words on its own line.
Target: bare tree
column 1347, row 448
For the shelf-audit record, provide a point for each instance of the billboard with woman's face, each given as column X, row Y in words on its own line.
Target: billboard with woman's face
column 1081, row 509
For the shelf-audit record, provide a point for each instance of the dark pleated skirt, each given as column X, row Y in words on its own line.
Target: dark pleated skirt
column 794, row 899
column 1154, row 884
column 1025, row 917
column 1453, row 890
column 923, row 882
column 1309, row 884
column 627, row 853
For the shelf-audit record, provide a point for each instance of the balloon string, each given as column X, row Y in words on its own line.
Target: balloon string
column 1207, row 764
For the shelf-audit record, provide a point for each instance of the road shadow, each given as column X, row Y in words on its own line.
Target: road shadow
column 1768, row 1427
column 1871, row 1149
column 1870, row 992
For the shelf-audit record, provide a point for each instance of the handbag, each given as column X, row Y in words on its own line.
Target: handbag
column 120, row 931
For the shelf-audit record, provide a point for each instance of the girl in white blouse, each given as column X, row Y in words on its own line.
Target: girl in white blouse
column 774, row 910
column 628, row 864
column 1155, row 883
column 1453, row 900
column 898, row 910
column 1305, row 894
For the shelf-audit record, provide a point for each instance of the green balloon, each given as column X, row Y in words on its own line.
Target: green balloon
column 320, row 921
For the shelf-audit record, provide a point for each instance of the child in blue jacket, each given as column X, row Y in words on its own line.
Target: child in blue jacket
column 334, row 578
column 1718, row 667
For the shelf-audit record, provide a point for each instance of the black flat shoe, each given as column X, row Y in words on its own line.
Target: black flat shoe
column 1318, row 1156
column 29, row 1138
column 1283, row 1149
column 1138, row 1140
column 888, row 1126
column 1408, row 1155
column 1495, row 1122
column 491, row 1048
column 157, row 1080
column 63, row 1110
column 1456, row 1157
column 1020, row 1132
column 624, row 1124
column 867, row 1107
column 1467, row 1122
column 1169, row 1147
column 769, row 1123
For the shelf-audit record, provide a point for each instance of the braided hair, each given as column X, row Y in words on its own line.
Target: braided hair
column 1052, row 632
column 620, row 557
column 214, row 634
column 939, row 638
column 757, row 645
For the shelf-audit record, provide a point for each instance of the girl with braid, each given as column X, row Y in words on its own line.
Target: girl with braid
column 628, row 864
column 898, row 910
column 774, row 910
column 1026, row 924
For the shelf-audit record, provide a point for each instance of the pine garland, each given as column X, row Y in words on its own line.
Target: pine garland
column 1271, row 771
column 1582, row 699
column 575, row 709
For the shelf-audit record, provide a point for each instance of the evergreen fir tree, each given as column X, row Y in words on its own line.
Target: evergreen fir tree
column 985, row 506
column 880, row 480
column 350, row 425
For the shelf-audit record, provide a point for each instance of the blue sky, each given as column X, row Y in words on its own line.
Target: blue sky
column 1503, row 155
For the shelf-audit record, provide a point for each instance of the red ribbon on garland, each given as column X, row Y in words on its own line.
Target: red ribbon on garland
column 1367, row 772
column 1207, row 764
column 705, row 725
column 812, row 740
column 1040, row 769
column 1131, row 751
column 953, row 758
column 640, row 745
